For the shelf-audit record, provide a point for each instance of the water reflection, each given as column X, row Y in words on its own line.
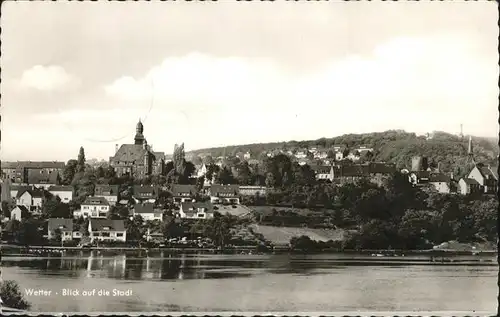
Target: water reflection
column 164, row 266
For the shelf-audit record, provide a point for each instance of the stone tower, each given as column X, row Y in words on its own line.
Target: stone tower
column 139, row 136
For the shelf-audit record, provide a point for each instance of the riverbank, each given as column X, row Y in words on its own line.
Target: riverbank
column 34, row 250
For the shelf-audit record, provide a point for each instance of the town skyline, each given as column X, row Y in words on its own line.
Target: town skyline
column 208, row 85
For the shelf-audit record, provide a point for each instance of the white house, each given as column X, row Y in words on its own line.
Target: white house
column 148, row 212
column 93, row 207
column 65, row 193
column 486, row 176
column 468, row 186
column 324, row 172
column 109, row 192
column 229, row 194
column 107, row 230
column 196, row 210
column 440, row 182
column 64, row 225
column 339, row 156
column 31, row 198
column 19, row 212
column 145, row 194
column 183, row 193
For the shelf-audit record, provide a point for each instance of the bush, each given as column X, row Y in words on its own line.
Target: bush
column 12, row 296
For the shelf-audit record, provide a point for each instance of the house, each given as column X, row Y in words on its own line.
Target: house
column 253, row 190
column 137, row 160
column 441, row 182
column 220, row 194
column 196, row 210
column 109, row 192
column 31, row 198
column 145, row 194
column 202, row 170
column 42, row 178
column 419, row 178
column 183, row 193
column 154, row 236
column 19, row 213
column 65, row 193
column 247, row 156
column 339, row 156
column 468, row 186
column 147, row 212
column 107, row 230
column 323, row 172
column 486, row 176
column 93, row 207
column 64, row 225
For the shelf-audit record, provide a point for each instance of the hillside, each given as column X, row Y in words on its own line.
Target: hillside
column 393, row 146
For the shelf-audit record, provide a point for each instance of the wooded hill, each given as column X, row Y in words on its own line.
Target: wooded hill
column 392, row 146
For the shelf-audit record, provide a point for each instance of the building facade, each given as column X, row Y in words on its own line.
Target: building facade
column 137, row 160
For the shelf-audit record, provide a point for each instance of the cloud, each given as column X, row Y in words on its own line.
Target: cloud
column 47, row 78
column 435, row 72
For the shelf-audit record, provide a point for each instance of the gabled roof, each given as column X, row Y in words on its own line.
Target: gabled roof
column 106, row 190
column 470, row 181
column 487, row 171
column 191, row 207
column 130, row 153
column 439, row 178
column 145, row 208
column 159, row 155
column 105, row 224
column 60, row 189
column 22, row 208
column 138, row 190
column 96, row 201
column 178, row 189
column 35, row 193
column 56, row 223
column 224, row 189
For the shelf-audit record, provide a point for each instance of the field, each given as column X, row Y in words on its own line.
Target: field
column 239, row 211
column 282, row 235
column 300, row 211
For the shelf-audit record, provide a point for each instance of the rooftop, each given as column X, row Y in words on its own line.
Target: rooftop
column 105, row 224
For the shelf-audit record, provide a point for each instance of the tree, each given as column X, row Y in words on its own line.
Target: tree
column 81, row 161
column 69, row 172
column 7, row 207
column 225, row 176
column 57, row 235
column 244, row 174
column 270, row 180
column 11, row 295
column 330, row 154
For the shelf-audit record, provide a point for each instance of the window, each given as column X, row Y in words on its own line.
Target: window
column 201, row 215
column 119, row 234
column 105, row 234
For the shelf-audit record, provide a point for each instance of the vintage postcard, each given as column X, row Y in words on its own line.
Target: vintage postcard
column 249, row 158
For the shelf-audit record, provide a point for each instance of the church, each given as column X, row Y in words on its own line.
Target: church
column 137, row 160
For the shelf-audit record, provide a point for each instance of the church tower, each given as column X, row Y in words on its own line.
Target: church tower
column 139, row 137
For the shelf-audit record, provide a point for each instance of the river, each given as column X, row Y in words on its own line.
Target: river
column 256, row 283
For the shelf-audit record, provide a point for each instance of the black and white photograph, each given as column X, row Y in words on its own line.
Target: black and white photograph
column 249, row 157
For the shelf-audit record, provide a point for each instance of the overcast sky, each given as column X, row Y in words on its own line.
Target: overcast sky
column 208, row 74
